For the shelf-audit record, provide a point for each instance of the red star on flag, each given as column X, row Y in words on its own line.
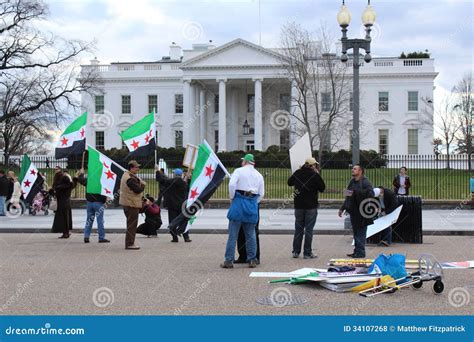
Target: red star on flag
column 194, row 193
column 64, row 141
column 82, row 132
column 107, row 191
column 135, row 144
column 27, row 183
column 209, row 171
column 109, row 174
column 147, row 138
column 33, row 172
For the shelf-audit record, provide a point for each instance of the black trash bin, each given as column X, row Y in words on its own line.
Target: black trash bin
column 408, row 228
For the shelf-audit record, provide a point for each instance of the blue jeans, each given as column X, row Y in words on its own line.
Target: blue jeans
column 250, row 240
column 305, row 219
column 95, row 209
column 2, row 205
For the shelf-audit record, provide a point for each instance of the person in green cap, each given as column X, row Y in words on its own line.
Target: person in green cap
column 246, row 190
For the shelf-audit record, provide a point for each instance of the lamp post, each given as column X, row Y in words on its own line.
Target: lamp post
column 368, row 19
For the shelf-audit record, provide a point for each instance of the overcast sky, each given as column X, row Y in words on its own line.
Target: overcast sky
column 142, row 30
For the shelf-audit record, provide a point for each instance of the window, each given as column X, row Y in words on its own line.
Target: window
column 216, row 103
column 250, row 145
column 413, row 141
column 216, row 140
column 152, row 103
column 126, row 104
column 178, row 103
column 99, row 103
column 250, row 103
column 285, row 102
column 178, row 139
column 351, row 102
column 284, row 139
column 325, row 102
column 327, row 141
column 383, row 141
column 413, row 101
column 383, row 101
column 99, row 140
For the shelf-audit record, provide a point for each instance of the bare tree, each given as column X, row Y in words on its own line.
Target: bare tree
column 464, row 98
column 322, row 95
column 40, row 79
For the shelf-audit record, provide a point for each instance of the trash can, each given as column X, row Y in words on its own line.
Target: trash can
column 408, row 228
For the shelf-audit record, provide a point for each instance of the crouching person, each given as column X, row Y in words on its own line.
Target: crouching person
column 152, row 217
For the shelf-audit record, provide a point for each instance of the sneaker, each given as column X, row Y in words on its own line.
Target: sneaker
column 135, row 247
column 312, row 256
column 188, row 240
column 104, row 241
column 227, row 264
column 253, row 263
column 296, row 255
column 86, row 240
column 174, row 240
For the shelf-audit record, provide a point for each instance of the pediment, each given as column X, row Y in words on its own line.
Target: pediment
column 238, row 52
column 383, row 122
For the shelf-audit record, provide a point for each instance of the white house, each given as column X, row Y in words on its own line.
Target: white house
column 229, row 94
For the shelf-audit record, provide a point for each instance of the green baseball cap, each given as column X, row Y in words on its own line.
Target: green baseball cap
column 249, row 158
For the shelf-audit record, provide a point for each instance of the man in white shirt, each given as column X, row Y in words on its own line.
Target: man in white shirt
column 246, row 190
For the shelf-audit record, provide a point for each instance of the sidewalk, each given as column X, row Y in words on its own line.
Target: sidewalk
column 273, row 221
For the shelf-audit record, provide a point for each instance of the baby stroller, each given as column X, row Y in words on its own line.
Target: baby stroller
column 40, row 203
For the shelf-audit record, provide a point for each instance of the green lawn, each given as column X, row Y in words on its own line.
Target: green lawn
column 428, row 183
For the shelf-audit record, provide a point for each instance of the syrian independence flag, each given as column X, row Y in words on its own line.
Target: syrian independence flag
column 30, row 179
column 208, row 174
column 73, row 139
column 140, row 137
column 103, row 174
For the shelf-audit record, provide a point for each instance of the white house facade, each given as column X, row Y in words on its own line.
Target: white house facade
column 230, row 95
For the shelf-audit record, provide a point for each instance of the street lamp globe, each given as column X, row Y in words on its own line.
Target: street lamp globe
column 368, row 16
column 344, row 16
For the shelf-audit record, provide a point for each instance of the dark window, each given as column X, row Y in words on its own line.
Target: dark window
column 99, row 140
column 216, row 103
column 178, row 103
column 383, row 141
column 383, row 101
column 250, row 103
column 99, row 103
column 285, row 102
column 178, row 139
column 126, row 104
column 325, row 102
column 152, row 103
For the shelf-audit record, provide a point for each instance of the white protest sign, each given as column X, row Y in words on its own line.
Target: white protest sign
column 190, row 156
column 299, row 152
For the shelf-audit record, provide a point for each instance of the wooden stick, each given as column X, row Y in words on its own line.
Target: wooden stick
column 83, row 156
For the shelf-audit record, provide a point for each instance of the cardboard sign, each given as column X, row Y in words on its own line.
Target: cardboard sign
column 299, row 152
column 190, row 156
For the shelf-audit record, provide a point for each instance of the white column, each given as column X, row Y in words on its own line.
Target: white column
column 222, row 115
column 293, row 112
column 258, row 115
column 191, row 124
column 187, row 111
column 202, row 115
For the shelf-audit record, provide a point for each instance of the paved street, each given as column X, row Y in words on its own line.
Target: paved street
column 40, row 274
column 272, row 220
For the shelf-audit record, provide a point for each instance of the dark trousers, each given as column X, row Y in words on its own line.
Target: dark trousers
column 172, row 214
column 241, row 244
column 305, row 219
column 132, row 222
column 360, row 235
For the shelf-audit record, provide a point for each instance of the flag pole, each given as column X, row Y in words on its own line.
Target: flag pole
column 82, row 163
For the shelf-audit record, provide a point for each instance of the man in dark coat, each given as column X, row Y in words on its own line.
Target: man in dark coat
column 4, row 185
column 388, row 203
column 357, row 196
column 175, row 193
column 308, row 184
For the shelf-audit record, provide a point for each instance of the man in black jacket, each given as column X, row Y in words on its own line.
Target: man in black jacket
column 359, row 192
column 175, row 193
column 95, row 208
column 4, row 185
column 388, row 203
column 308, row 183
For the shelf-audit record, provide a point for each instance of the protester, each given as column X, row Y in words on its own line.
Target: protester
column 358, row 190
column 401, row 182
column 388, row 203
column 152, row 217
column 63, row 184
column 4, row 185
column 246, row 190
column 161, row 189
column 11, row 180
column 95, row 208
column 308, row 183
column 175, row 194
column 15, row 200
column 131, row 190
